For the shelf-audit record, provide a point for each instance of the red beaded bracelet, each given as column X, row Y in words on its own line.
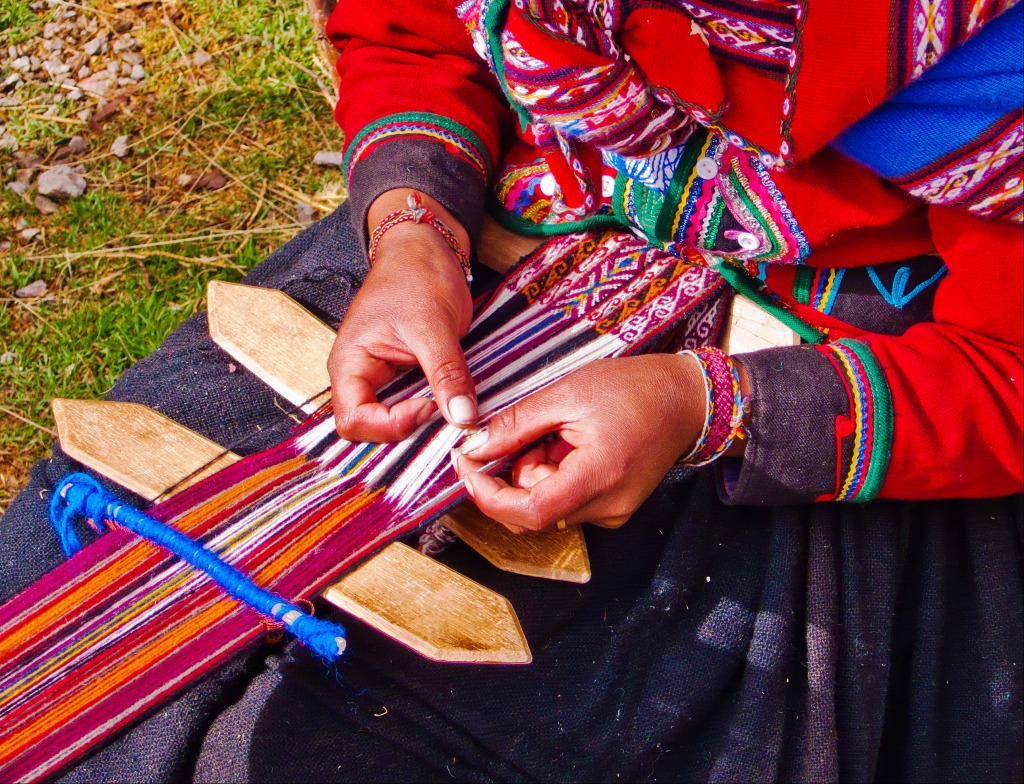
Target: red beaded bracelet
column 417, row 213
column 726, row 406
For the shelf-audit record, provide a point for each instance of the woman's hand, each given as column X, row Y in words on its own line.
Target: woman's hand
column 412, row 310
column 609, row 431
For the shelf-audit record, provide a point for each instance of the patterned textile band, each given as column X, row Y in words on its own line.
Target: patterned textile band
column 122, row 626
column 79, row 495
column 417, row 213
column 726, row 407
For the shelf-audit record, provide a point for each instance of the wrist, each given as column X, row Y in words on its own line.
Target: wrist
column 396, row 199
column 417, row 214
column 723, row 429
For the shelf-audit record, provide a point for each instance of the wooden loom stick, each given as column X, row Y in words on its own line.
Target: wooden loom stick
column 453, row 619
column 135, row 446
column 275, row 338
column 405, row 595
column 288, row 351
column 551, row 554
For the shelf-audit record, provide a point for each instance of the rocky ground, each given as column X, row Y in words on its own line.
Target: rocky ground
column 146, row 146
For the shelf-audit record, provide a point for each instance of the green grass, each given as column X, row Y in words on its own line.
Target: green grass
column 129, row 260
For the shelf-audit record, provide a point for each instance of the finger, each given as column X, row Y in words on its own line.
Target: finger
column 529, row 469
column 358, row 414
column 447, row 372
column 517, row 426
column 552, row 499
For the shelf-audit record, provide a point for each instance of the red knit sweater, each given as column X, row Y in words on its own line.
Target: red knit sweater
column 420, row 108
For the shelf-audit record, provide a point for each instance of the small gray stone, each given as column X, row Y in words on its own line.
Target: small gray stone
column 93, row 47
column 138, row 72
column 21, row 64
column 8, row 357
column 120, row 148
column 84, row 71
column 201, row 58
column 75, row 94
column 98, row 84
column 114, row 67
column 17, row 187
column 45, row 206
column 184, row 180
column 328, row 158
column 34, row 289
column 27, row 235
column 133, row 58
column 305, row 214
column 20, row 224
column 8, row 142
column 28, row 160
column 61, row 183
column 78, row 145
column 85, row 115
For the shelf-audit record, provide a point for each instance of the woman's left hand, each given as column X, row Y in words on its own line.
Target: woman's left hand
column 609, row 433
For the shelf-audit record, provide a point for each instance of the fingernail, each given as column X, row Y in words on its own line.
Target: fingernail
column 426, row 411
column 475, row 441
column 462, row 410
column 468, row 480
column 454, row 456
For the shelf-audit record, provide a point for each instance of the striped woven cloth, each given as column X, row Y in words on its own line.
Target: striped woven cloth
column 122, row 627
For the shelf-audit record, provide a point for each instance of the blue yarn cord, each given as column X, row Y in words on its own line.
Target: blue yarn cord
column 81, row 495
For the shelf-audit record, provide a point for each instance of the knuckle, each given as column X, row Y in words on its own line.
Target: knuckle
column 450, row 373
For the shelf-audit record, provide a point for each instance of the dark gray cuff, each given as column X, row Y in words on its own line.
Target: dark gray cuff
column 426, row 166
column 820, row 427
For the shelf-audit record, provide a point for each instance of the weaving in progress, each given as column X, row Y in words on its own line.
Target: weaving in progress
column 121, row 627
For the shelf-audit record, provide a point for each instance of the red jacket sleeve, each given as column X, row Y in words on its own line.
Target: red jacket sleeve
column 956, row 383
column 417, row 105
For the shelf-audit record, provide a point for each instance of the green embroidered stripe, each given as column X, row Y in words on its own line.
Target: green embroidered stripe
column 714, row 221
column 402, row 118
column 750, row 287
column 802, row 284
column 741, row 191
column 678, row 192
column 521, row 225
column 494, row 22
column 648, row 206
column 883, row 420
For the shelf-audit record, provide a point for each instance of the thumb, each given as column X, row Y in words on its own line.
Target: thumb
column 447, row 373
column 517, row 426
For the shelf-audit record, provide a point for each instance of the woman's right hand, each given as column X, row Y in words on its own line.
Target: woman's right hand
column 412, row 310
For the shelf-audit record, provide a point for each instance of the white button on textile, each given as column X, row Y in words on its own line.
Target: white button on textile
column 547, row 184
column 748, row 240
column 607, row 186
column 707, row 169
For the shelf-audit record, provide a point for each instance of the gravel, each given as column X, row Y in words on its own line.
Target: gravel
column 61, row 183
column 120, row 148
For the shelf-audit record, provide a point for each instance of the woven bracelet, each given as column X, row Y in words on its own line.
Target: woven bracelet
column 417, row 213
column 726, row 406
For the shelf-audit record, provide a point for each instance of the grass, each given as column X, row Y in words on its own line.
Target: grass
column 129, row 260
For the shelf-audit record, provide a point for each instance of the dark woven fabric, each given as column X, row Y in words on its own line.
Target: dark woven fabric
column 873, row 641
